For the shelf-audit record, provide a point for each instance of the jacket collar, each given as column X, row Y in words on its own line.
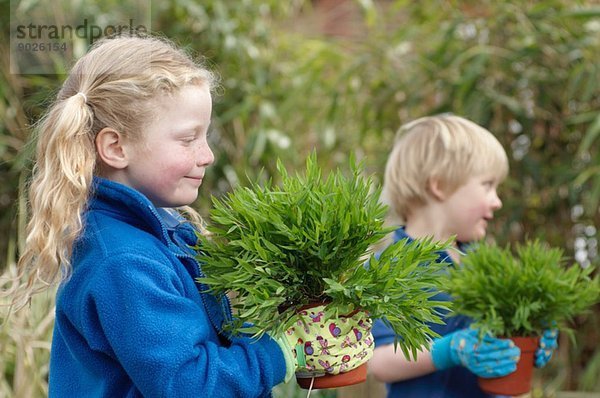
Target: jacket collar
column 400, row 233
column 134, row 208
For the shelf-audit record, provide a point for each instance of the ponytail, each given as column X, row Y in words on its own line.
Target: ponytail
column 60, row 187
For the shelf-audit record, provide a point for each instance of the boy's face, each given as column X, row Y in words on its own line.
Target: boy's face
column 471, row 207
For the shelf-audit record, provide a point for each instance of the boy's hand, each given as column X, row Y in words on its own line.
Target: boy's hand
column 489, row 357
column 319, row 346
column 548, row 343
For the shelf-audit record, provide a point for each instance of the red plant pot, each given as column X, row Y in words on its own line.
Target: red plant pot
column 518, row 382
column 354, row 376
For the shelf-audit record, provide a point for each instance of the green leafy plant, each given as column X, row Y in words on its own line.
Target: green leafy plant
column 306, row 241
column 521, row 294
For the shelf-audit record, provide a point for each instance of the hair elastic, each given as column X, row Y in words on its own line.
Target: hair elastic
column 83, row 95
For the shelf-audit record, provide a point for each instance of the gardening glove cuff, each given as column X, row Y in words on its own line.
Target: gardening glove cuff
column 488, row 357
column 548, row 343
column 288, row 355
column 440, row 353
column 330, row 346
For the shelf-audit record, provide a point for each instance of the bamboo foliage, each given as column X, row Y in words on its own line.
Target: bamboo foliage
column 521, row 293
column 283, row 247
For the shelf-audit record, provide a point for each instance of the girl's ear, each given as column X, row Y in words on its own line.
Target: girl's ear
column 436, row 189
column 111, row 148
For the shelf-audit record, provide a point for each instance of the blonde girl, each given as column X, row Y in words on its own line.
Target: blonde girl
column 124, row 142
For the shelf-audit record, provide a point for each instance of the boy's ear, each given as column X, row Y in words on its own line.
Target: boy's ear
column 110, row 147
column 436, row 188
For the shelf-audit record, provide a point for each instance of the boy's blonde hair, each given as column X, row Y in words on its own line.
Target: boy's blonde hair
column 448, row 148
column 113, row 85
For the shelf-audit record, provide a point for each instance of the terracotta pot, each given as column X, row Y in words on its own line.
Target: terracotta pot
column 355, row 376
column 518, row 382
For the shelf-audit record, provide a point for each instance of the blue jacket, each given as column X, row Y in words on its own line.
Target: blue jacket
column 130, row 320
column 456, row 382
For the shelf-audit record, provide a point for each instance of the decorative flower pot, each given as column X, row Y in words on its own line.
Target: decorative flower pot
column 518, row 382
column 323, row 334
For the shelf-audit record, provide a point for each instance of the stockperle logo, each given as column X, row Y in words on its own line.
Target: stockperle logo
column 46, row 36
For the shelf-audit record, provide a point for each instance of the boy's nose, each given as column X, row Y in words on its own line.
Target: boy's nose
column 496, row 202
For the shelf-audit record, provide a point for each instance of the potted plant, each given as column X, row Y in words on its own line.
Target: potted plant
column 283, row 247
column 517, row 296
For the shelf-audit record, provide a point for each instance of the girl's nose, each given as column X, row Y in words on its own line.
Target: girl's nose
column 206, row 156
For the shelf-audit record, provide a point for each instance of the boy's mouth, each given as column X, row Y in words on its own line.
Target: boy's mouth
column 197, row 180
column 486, row 220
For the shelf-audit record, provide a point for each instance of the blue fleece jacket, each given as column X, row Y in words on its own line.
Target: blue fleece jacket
column 130, row 320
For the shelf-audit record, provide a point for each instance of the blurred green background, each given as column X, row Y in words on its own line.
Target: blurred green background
column 340, row 76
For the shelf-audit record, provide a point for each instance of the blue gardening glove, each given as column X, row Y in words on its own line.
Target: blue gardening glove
column 548, row 343
column 490, row 357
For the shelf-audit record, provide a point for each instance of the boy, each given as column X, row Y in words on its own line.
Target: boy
column 440, row 181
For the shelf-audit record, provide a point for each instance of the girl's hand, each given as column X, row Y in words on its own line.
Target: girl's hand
column 328, row 346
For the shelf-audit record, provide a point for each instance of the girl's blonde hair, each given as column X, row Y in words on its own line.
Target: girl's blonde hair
column 448, row 148
column 111, row 86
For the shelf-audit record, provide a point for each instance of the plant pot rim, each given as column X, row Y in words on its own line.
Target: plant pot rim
column 525, row 342
column 354, row 376
column 314, row 304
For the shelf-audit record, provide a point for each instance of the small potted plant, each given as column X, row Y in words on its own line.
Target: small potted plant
column 517, row 296
column 284, row 247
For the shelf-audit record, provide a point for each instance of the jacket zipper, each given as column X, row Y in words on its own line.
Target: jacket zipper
column 226, row 311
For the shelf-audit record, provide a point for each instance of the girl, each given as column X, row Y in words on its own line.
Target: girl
column 125, row 139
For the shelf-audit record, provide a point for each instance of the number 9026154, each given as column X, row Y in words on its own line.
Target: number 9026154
column 41, row 47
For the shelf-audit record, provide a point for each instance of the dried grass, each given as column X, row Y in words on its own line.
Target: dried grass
column 25, row 337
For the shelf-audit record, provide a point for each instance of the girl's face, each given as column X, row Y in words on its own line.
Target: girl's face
column 471, row 207
column 169, row 163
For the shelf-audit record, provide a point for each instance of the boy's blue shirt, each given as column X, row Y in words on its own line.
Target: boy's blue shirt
column 130, row 320
column 456, row 382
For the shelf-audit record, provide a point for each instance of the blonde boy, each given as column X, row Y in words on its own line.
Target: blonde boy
column 440, row 181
